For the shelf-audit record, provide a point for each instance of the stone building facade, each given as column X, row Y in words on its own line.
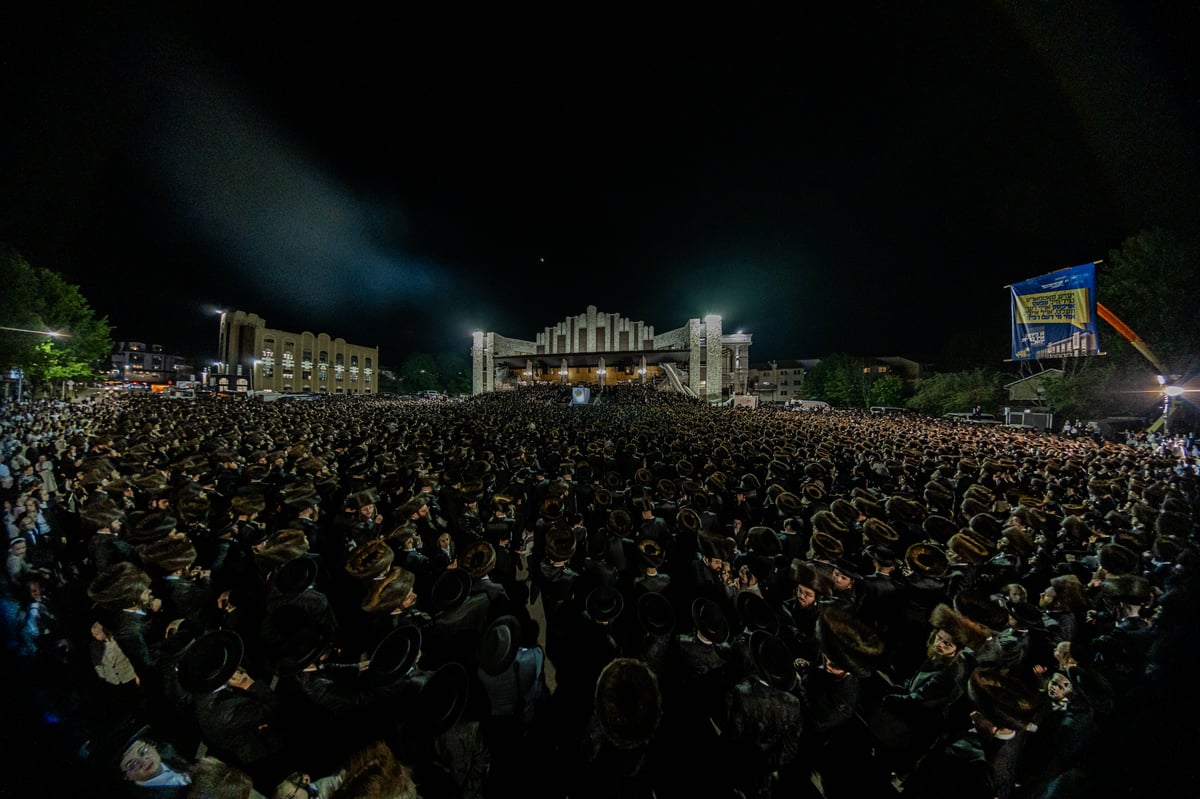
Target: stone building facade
column 255, row 357
column 599, row 348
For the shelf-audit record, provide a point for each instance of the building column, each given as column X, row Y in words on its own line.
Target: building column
column 562, row 372
column 601, row 372
column 714, row 358
column 642, row 370
column 694, row 357
column 477, row 372
column 489, row 363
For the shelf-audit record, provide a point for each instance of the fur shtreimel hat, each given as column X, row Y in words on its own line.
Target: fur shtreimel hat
column 169, row 554
column 119, row 586
column 371, row 560
column 927, row 558
column 939, row 527
column 803, row 574
column 880, row 532
column 628, row 703
column 145, row 528
column 1119, row 559
column 978, row 608
column 478, row 558
column 826, row 521
column 824, row 545
column 849, row 642
column 619, row 521
column 389, row 593
column 970, row 547
column 943, row 617
column 1003, row 700
column 100, row 515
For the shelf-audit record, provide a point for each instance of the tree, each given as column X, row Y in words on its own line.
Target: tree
column 454, row 371
column 1151, row 283
column 418, row 372
column 35, row 298
column 950, row 392
column 887, row 390
column 837, row 380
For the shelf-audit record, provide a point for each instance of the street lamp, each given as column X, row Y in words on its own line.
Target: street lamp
column 21, row 372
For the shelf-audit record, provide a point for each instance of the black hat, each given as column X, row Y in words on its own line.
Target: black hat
column 438, row 698
column 619, row 521
column 396, row 654
column 302, row 648
column 560, row 544
column 604, row 604
column 763, row 540
column 295, row 576
column 756, row 614
column 709, row 620
column 1028, row 615
column 655, row 613
column 882, row 555
column 451, row 590
column 628, row 703
column 773, row 660
column 499, row 644
column 1119, row 559
column 210, row 661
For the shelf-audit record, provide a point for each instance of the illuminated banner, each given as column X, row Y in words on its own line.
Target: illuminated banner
column 1054, row 316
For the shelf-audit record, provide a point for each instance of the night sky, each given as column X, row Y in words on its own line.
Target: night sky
column 865, row 179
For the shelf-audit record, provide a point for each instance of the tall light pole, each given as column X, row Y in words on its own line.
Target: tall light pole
column 220, row 338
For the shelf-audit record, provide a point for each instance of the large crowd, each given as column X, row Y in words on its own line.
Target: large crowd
column 645, row 596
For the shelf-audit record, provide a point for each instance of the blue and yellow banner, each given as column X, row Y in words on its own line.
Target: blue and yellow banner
column 1054, row 316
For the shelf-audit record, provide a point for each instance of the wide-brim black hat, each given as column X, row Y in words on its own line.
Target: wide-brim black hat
column 437, row 699
column 499, row 644
column 628, row 703
column 709, row 620
column 301, row 649
column 396, row 654
column 604, row 603
column 560, row 544
column 295, row 576
column 773, row 660
column 210, row 661
column 755, row 613
column 655, row 613
column 451, row 590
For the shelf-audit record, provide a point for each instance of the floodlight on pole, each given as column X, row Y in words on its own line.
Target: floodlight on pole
column 53, row 333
